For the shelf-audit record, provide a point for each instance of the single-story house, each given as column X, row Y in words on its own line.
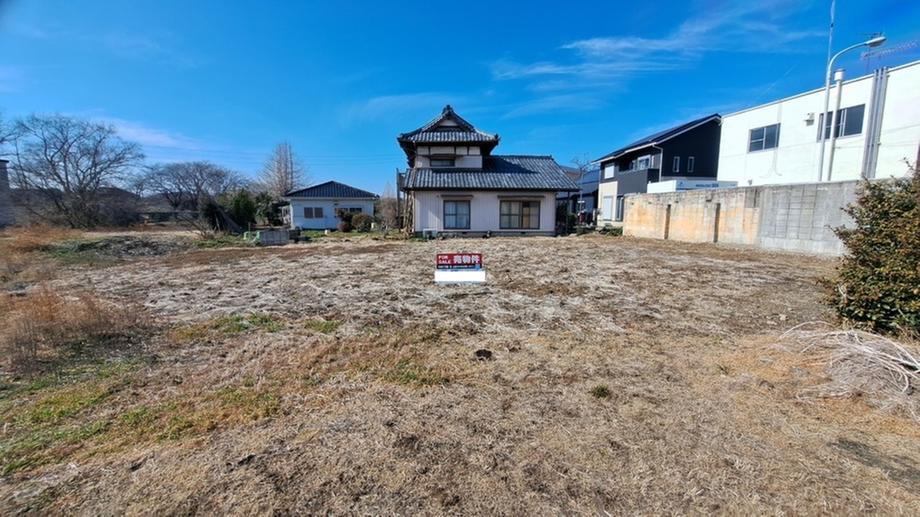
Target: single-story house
column 454, row 184
column 318, row 207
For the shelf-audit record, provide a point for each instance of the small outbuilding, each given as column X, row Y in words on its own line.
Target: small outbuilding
column 318, row 207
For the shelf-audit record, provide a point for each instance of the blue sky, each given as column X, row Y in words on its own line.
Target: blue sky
column 225, row 81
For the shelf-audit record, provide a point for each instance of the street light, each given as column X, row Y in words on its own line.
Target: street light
column 871, row 42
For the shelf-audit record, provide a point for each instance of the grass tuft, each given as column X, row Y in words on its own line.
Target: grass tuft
column 408, row 372
column 46, row 329
column 324, row 326
column 224, row 241
column 235, row 323
column 601, row 391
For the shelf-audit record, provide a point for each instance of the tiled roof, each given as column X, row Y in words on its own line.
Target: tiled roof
column 332, row 189
column 434, row 132
column 509, row 172
column 660, row 136
column 450, row 136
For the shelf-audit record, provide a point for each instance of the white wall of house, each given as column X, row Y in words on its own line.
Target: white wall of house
column 464, row 156
column 795, row 159
column 428, row 210
column 330, row 206
column 607, row 202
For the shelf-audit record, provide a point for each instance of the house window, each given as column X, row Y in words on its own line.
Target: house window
column 456, row 215
column 621, row 209
column 442, row 162
column 313, row 212
column 676, row 166
column 608, row 171
column 354, row 210
column 519, row 215
column 849, row 122
column 644, row 163
column 690, row 163
column 761, row 138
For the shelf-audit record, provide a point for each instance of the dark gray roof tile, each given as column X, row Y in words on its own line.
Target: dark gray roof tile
column 332, row 189
column 499, row 172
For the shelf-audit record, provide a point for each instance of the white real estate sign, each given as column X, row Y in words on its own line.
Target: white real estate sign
column 459, row 268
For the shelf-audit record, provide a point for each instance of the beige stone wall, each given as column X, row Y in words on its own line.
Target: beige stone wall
column 783, row 217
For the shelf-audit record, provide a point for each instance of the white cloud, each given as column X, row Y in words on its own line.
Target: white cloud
column 147, row 46
column 553, row 103
column 384, row 106
column 158, row 46
column 149, row 136
column 751, row 28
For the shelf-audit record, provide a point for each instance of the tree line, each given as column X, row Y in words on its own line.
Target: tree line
column 73, row 171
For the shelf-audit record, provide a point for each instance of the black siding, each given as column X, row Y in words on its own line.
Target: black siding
column 702, row 143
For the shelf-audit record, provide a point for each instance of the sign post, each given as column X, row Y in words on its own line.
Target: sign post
column 459, row 268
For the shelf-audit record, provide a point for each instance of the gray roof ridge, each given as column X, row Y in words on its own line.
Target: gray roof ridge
column 448, row 111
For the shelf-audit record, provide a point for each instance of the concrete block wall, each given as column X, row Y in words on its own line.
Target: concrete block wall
column 7, row 216
column 797, row 217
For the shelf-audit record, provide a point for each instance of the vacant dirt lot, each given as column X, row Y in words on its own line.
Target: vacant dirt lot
column 334, row 377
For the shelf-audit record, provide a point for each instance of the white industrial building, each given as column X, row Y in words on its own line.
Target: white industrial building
column 877, row 133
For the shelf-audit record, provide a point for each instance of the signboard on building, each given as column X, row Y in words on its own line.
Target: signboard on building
column 459, row 268
column 682, row 185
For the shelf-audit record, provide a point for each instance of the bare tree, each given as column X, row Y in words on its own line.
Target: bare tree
column 283, row 172
column 192, row 190
column 583, row 164
column 68, row 163
column 185, row 185
column 6, row 136
column 387, row 209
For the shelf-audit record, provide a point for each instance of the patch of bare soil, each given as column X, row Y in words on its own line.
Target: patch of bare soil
column 589, row 375
column 124, row 246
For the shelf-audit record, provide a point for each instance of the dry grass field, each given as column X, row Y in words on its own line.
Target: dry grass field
column 625, row 376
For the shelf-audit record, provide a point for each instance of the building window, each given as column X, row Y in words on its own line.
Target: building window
column 676, row 166
column 354, row 210
column 621, row 209
column 311, row 212
column 690, row 163
column 849, row 122
column 442, row 162
column 644, row 163
column 456, row 215
column 519, row 215
column 766, row 137
column 608, row 171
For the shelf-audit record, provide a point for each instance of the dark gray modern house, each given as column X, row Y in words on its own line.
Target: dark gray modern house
column 687, row 155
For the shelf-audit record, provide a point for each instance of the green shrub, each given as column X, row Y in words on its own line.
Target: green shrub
column 877, row 283
column 613, row 231
column 362, row 222
column 242, row 208
column 345, row 218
